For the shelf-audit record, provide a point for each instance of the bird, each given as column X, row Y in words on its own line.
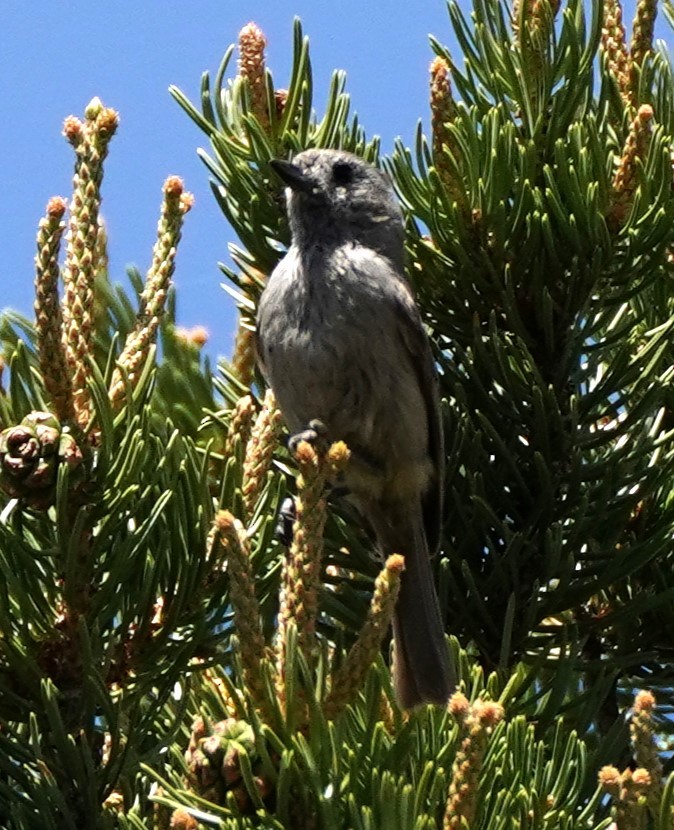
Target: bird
column 341, row 343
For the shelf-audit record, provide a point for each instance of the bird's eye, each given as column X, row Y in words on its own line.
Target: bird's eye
column 342, row 173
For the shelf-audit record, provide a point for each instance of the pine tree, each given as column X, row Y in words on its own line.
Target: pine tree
column 167, row 661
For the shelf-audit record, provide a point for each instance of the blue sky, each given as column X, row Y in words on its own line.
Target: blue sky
column 57, row 56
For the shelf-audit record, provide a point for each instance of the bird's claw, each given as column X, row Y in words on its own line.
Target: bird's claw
column 315, row 434
column 285, row 520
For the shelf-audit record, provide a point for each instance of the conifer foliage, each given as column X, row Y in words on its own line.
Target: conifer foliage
column 167, row 659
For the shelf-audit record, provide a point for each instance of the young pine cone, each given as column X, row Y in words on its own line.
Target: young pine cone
column 30, row 455
column 213, row 761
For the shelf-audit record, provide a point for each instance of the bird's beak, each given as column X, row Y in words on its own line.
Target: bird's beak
column 292, row 175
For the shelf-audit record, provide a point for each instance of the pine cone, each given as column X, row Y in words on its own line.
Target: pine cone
column 213, row 760
column 30, row 454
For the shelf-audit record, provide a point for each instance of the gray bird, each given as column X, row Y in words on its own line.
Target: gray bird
column 340, row 341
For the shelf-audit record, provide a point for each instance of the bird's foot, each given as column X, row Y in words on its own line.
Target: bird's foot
column 316, row 434
column 287, row 514
column 285, row 520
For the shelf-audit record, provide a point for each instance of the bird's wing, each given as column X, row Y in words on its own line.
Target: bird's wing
column 418, row 346
column 263, row 314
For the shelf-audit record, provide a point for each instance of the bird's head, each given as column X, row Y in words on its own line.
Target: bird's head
column 335, row 196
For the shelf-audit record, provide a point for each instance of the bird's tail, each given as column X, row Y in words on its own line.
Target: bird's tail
column 422, row 669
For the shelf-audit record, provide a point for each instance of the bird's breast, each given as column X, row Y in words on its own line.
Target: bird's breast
column 333, row 351
column 317, row 333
